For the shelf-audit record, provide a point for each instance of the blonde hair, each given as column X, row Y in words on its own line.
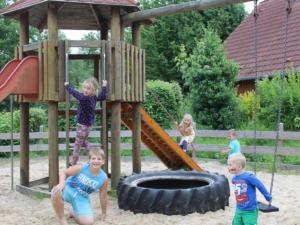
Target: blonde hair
column 97, row 152
column 189, row 117
column 232, row 132
column 94, row 85
column 239, row 159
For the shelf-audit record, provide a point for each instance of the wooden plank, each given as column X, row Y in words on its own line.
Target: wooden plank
column 144, row 75
column 108, row 68
column 117, row 71
column 123, row 71
column 140, row 76
column 41, row 74
column 84, row 44
column 136, row 74
column 32, row 192
column 52, row 72
column 84, row 56
column 61, row 70
column 127, row 72
column 31, row 47
column 176, row 8
column 132, row 73
column 45, row 70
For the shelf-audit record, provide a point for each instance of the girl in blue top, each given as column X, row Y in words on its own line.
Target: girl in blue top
column 86, row 111
column 76, row 183
column 245, row 185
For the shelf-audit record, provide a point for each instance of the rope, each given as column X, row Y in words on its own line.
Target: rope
column 255, row 14
column 162, row 107
column 282, row 75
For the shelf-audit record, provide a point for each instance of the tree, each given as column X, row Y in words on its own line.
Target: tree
column 163, row 39
column 210, row 78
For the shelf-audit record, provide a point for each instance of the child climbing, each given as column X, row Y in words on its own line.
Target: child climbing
column 186, row 129
column 76, row 183
column 86, row 111
column 245, row 185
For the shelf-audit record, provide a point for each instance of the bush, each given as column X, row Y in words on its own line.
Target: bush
column 163, row 102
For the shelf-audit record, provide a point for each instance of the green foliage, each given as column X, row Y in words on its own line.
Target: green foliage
column 246, row 108
column 210, row 78
column 163, row 101
column 163, row 39
column 289, row 99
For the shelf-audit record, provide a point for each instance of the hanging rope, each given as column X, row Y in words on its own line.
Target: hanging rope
column 255, row 14
column 162, row 106
column 282, row 76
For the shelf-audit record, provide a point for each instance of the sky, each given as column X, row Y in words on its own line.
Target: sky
column 78, row 34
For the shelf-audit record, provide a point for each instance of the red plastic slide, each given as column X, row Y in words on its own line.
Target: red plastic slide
column 20, row 77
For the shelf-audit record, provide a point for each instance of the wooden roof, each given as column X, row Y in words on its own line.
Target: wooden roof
column 72, row 14
column 240, row 45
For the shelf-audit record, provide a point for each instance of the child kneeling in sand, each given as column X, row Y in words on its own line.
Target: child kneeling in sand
column 245, row 185
column 76, row 183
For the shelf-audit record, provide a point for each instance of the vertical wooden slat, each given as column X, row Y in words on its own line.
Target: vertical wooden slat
column 132, row 73
column 123, row 80
column 140, row 76
column 144, row 74
column 117, row 71
column 41, row 75
column 45, row 70
column 52, row 72
column 136, row 73
column 111, row 89
column 61, row 70
column 127, row 72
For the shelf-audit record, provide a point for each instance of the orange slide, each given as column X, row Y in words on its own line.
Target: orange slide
column 164, row 147
column 20, row 77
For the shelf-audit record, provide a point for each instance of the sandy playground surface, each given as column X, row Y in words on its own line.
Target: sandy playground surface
column 18, row 209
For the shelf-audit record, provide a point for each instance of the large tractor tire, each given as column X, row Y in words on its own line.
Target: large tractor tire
column 173, row 192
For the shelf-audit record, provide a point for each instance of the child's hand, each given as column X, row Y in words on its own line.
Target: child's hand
column 104, row 83
column 66, row 83
column 57, row 189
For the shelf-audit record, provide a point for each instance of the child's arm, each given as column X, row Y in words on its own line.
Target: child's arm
column 103, row 94
column 260, row 186
column 73, row 170
column 73, row 92
column 103, row 199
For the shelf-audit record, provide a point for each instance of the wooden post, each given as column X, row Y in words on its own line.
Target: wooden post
column 116, row 104
column 52, row 105
column 24, row 110
column 136, row 116
column 104, row 130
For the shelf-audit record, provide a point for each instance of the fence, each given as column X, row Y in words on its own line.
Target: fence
column 264, row 135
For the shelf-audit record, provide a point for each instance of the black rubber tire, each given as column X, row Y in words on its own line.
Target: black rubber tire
column 173, row 192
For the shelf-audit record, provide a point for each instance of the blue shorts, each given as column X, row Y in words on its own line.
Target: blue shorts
column 81, row 205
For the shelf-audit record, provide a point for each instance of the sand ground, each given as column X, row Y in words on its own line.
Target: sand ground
column 18, row 209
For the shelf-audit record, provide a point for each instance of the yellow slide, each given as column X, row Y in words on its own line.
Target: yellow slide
column 164, row 147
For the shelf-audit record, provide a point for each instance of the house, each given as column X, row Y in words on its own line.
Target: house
column 272, row 44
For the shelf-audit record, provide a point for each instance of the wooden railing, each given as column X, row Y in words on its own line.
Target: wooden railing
column 264, row 135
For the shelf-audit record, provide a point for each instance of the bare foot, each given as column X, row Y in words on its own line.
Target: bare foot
column 64, row 222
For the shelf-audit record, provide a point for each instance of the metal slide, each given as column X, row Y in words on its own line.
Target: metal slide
column 164, row 147
column 20, row 77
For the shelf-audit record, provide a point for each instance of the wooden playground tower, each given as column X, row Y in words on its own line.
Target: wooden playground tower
column 122, row 64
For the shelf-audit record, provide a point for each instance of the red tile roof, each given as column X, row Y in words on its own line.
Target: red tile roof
column 240, row 45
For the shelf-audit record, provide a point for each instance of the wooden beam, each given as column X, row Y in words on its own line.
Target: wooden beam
column 176, row 8
column 95, row 15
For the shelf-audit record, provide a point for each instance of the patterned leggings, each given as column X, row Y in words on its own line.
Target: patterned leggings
column 82, row 134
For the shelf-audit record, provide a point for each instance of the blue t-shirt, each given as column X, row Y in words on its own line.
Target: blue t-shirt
column 84, row 183
column 245, row 186
column 235, row 147
column 87, row 105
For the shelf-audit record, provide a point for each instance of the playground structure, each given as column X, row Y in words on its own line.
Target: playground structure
column 122, row 64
